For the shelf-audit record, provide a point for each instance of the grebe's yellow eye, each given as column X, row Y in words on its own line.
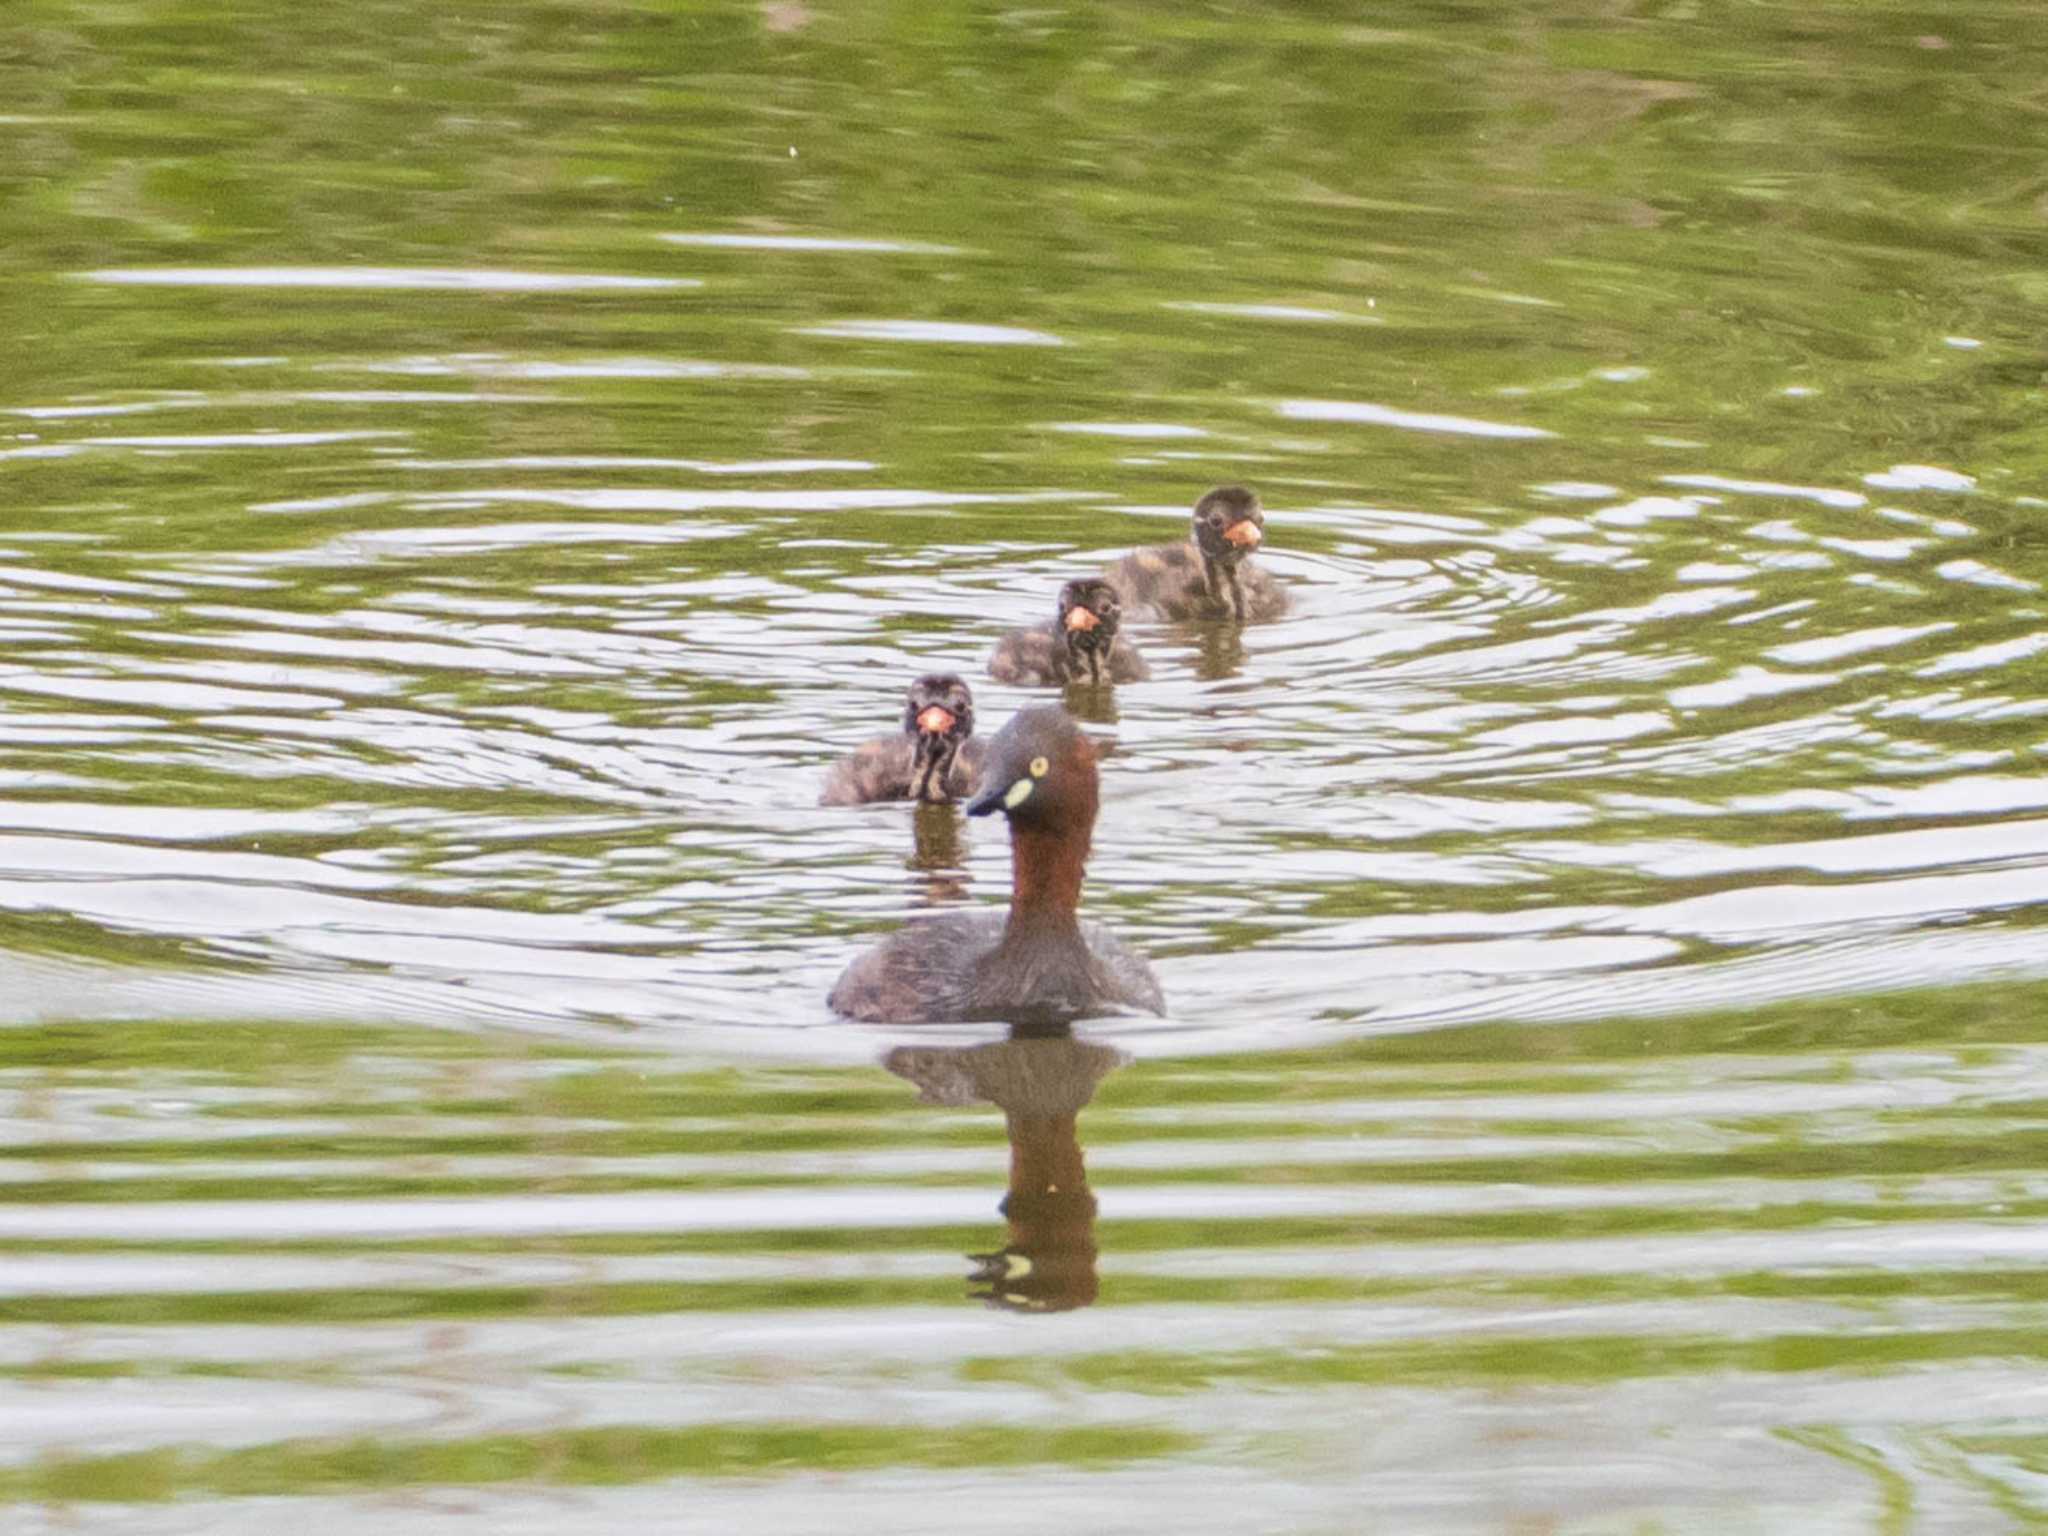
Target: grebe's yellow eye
column 1039, row 766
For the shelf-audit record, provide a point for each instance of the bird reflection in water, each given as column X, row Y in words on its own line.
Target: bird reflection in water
column 1041, row 1078
column 938, row 861
column 1220, row 651
column 1096, row 704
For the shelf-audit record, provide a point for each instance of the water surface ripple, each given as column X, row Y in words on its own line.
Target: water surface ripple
column 555, row 726
column 1535, row 1255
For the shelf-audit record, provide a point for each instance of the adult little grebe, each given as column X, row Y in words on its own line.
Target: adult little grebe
column 1210, row 576
column 1041, row 963
column 1079, row 644
column 935, row 758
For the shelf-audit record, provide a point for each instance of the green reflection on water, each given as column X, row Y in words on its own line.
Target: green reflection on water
column 1582, row 1357
column 612, row 1455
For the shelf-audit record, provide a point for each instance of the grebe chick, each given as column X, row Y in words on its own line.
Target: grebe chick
column 1079, row 644
column 1210, row 576
column 935, row 758
column 1040, row 963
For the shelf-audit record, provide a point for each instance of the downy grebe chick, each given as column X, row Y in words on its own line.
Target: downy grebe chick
column 936, row 758
column 1211, row 576
column 1079, row 644
column 1040, row 963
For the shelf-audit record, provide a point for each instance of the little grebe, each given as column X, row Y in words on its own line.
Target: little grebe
column 1041, row 963
column 1211, row 576
column 1079, row 644
column 935, row 758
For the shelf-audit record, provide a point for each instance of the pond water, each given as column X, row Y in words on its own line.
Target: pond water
column 466, row 476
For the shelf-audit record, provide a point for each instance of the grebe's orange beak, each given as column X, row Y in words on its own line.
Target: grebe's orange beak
column 1245, row 534
column 1082, row 618
column 936, row 718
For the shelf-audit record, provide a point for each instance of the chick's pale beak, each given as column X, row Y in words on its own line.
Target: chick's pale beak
column 1245, row 534
column 1082, row 618
column 936, row 719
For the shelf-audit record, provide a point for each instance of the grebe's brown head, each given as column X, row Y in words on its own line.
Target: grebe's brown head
column 1089, row 615
column 1040, row 773
column 1229, row 523
column 939, row 706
